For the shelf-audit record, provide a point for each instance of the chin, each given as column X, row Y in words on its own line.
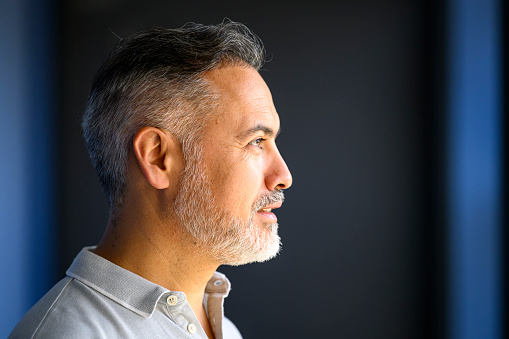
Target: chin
column 263, row 248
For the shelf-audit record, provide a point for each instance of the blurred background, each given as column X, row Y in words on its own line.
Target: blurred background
column 394, row 125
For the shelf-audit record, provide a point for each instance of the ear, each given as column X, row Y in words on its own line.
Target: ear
column 155, row 149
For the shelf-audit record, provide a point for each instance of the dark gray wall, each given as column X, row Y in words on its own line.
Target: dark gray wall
column 350, row 80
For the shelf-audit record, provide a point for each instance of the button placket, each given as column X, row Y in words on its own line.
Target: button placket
column 180, row 312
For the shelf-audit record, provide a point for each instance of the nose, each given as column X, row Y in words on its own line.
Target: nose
column 278, row 176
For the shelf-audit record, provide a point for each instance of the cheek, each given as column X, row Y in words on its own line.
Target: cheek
column 236, row 185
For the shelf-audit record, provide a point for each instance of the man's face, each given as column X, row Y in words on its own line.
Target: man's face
column 234, row 178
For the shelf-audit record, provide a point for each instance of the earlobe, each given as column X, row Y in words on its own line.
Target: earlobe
column 151, row 147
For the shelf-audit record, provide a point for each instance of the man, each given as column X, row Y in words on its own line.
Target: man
column 181, row 129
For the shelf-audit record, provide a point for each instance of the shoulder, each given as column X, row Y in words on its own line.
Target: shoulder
column 35, row 317
column 230, row 331
column 69, row 309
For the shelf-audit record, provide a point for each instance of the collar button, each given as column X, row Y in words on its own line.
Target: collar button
column 172, row 300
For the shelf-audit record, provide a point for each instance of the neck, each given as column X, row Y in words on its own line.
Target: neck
column 159, row 252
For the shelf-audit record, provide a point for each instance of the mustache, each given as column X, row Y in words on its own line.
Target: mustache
column 268, row 199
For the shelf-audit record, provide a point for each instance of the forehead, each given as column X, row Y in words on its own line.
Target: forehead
column 244, row 97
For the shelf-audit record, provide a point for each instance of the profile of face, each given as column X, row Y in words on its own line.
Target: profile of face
column 234, row 178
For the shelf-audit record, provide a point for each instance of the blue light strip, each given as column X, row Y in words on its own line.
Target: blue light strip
column 474, row 173
column 27, row 163
column 14, row 224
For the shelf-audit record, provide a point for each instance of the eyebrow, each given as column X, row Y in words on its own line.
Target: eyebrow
column 259, row 127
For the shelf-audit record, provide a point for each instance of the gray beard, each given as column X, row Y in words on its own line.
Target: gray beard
column 218, row 233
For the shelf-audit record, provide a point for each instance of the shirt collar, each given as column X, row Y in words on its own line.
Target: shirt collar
column 126, row 288
column 218, row 284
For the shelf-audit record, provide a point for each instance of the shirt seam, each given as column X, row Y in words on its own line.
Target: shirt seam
column 50, row 308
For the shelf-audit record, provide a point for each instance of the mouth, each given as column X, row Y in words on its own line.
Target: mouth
column 266, row 211
column 271, row 207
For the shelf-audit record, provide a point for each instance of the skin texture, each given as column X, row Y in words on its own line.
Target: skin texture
column 240, row 164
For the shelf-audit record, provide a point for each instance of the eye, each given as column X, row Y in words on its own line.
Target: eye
column 257, row 142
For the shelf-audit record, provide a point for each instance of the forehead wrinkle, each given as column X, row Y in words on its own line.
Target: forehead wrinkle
column 255, row 121
column 248, row 103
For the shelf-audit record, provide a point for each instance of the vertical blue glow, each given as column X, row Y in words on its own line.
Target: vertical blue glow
column 14, row 221
column 27, row 158
column 475, row 162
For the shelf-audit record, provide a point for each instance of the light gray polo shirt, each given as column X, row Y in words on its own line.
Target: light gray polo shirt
column 99, row 299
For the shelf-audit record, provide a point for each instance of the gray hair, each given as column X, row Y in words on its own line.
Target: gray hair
column 155, row 78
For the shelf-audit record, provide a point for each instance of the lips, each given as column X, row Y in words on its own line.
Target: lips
column 270, row 207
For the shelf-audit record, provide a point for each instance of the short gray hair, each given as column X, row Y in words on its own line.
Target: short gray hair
column 155, row 78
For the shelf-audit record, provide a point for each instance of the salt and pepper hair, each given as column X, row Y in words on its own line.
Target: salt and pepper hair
column 155, row 78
